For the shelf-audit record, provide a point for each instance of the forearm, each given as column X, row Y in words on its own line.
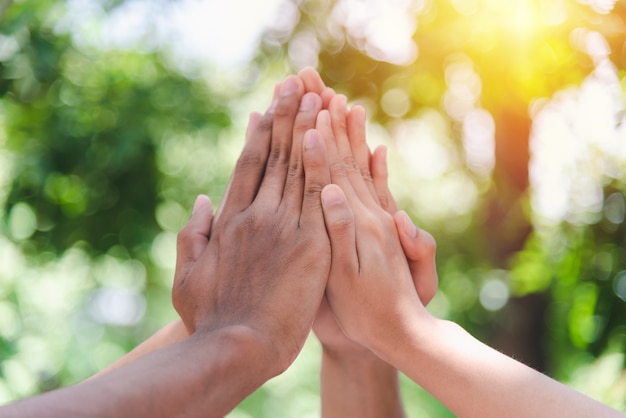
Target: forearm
column 353, row 384
column 170, row 334
column 474, row 380
column 203, row 376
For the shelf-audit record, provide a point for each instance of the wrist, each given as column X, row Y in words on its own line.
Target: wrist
column 409, row 339
column 243, row 346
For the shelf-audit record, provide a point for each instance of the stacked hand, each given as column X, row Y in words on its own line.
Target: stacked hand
column 266, row 264
column 279, row 172
column 354, row 167
column 279, row 135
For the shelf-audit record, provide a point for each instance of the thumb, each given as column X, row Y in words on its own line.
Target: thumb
column 339, row 222
column 420, row 248
column 193, row 237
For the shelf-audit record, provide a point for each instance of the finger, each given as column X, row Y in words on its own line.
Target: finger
column 420, row 249
column 193, row 237
column 313, row 83
column 305, row 120
column 312, row 80
column 327, row 95
column 316, row 176
column 248, row 173
column 339, row 117
column 337, row 170
column 275, row 94
column 287, row 104
column 339, row 221
column 380, row 176
column 253, row 122
column 360, row 150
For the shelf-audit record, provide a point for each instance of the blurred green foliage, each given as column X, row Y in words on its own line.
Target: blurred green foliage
column 96, row 184
column 102, row 152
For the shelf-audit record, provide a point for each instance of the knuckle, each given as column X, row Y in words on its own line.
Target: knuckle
column 339, row 124
column 342, row 226
column 251, row 221
column 383, row 199
column 250, row 158
column 284, row 108
column 367, row 176
column 351, row 165
column 265, row 123
column 295, row 171
column 278, row 156
column 337, row 168
column 315, row 160
column 313, row 192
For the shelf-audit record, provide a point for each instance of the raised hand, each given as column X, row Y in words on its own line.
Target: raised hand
column 419, row 245
column 371, row 294
column 267, row 260
column 354, row 380
column 368, row 259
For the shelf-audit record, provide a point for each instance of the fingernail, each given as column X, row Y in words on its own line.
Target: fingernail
column 332, row 196
column 323, row 119
column 311, row 139
column 289, row 87
column 308, row 102
column 409, row 228
column 360, row 111
column 200, row 201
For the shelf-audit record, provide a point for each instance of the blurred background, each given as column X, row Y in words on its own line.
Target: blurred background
column 506, row 131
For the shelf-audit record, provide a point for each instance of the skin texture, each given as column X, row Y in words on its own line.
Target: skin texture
column 248, row 295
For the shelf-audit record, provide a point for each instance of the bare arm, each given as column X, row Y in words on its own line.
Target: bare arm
column 354, row 381
column 206, row 375
column 170, row 334
column 474, row 380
